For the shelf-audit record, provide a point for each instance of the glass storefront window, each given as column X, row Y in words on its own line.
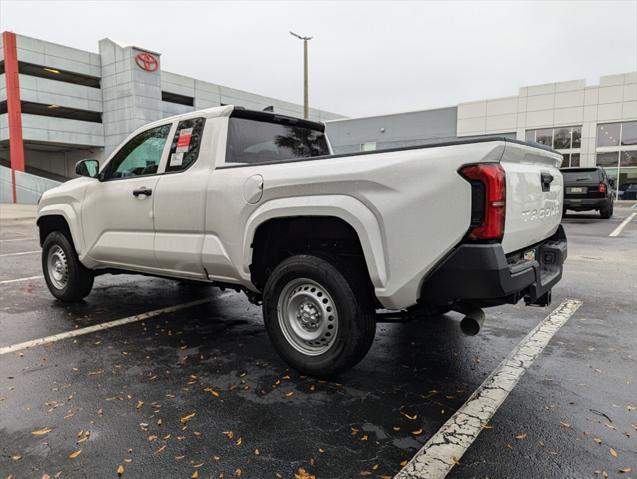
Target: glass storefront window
column 570, row 160
column 566, row 162
column 575, row 159
column 544, row 137
column 562, row 139
column 628, row 158
column 608, row 160
column 576, row 142
column 608, row 134
column 530, row 136
column 629, row 133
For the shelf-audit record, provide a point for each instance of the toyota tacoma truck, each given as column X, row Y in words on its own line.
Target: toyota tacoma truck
column 327, row 243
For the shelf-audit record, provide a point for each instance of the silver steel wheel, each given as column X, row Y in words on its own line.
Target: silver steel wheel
column 307, row 316
column 57, row 267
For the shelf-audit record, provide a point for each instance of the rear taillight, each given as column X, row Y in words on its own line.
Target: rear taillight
column 488, row 184
column 602, row 187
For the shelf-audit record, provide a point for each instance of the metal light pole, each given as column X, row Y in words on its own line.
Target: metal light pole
column 306, row 103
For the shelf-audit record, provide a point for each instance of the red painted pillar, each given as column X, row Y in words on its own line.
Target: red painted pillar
column 16, row 145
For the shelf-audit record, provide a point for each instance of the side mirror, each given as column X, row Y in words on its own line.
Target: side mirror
column 88, row 168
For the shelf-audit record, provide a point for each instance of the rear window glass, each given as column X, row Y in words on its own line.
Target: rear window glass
column 252, row 141
column 581, row 175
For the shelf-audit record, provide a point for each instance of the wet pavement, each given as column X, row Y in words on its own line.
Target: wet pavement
column 200, row 392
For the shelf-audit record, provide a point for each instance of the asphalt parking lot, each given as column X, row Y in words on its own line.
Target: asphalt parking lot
column 199, row 392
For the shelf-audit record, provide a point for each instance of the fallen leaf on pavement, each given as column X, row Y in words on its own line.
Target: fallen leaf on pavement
column 625, row 470
column 417, row 432
column 521, row 436
column 120, row 470
column 187, row 418
column 42, row 432
column 73, row 455
column 613, row 452
column 565, row 424
column 303, row 474
column 212, row 391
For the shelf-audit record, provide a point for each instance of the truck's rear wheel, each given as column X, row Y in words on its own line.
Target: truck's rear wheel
column 67, row 278
column 318, row 314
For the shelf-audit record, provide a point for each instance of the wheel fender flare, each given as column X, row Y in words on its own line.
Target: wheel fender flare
column 72, row 220
column 366, row 225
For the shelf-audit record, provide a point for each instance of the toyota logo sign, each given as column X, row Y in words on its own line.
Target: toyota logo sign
column 146, row 61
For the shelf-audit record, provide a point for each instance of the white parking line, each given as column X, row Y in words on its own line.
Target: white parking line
column 99, row 327
column 8, row 281
column 618, row 230
column 17, row 239
column 445, row 448
column 20, row 254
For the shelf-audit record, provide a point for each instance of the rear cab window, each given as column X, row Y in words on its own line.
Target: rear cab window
column 186, row 143
column 256, row 138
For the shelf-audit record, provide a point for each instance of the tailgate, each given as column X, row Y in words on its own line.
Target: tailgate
column 534, row 192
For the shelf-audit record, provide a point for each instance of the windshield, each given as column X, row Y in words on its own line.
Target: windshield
column 258, row 141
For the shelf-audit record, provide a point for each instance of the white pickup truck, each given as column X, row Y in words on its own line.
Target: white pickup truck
column 257, row 201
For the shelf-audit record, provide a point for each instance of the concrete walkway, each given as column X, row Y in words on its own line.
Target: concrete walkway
column 10, row 211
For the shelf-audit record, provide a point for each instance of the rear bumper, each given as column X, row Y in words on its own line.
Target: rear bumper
column 482, row 275
column 583, row 204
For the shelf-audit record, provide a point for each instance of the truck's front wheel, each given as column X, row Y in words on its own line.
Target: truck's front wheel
column 319, row 314
column 67, row 278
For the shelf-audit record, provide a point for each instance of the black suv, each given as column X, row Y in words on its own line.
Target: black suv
column 588, row 189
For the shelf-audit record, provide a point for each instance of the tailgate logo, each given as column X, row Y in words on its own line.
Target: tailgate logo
column 539, row 213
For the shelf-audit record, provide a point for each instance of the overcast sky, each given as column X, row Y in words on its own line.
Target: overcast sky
column 366, row 58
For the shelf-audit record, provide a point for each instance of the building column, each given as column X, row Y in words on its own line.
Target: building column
column 14, row 110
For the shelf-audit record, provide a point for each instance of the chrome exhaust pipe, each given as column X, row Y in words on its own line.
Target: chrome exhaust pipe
column 471, row 324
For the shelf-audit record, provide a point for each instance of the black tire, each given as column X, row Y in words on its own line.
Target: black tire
column 355, row 319
column 607, row 212
column 79, row 279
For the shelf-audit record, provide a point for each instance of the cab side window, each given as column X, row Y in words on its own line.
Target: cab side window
column 186, row 143
column 140, row 156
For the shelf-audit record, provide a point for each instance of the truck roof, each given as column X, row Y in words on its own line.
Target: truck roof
column 239, row 112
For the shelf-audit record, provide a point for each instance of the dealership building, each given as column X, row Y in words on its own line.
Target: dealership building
column 60, row 104
column 591, row 125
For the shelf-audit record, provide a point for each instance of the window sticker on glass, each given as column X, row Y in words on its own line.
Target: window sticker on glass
column 183, row 143
column 176, row 159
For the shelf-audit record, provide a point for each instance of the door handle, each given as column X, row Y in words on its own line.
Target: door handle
column 142, row 191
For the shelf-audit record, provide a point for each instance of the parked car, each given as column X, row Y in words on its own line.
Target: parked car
column 588, row 189
column 628, row 191
column 257, row 201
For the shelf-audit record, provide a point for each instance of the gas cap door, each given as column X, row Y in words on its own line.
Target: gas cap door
column 253, row 189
